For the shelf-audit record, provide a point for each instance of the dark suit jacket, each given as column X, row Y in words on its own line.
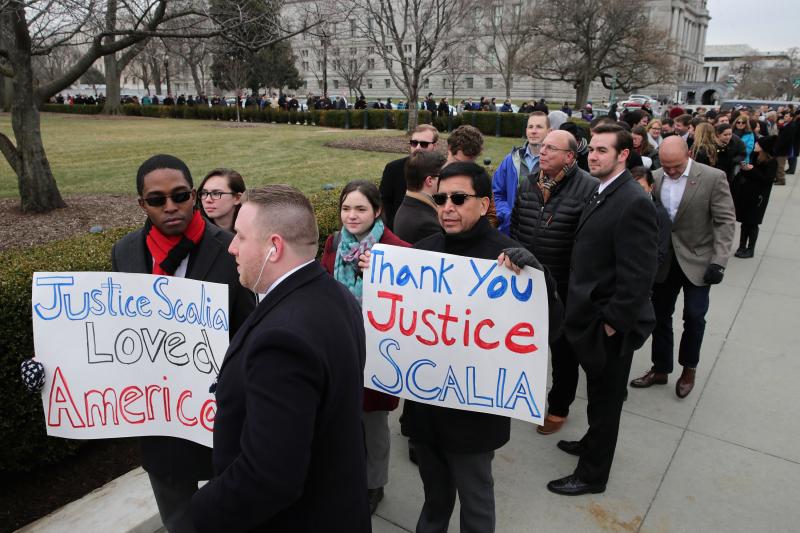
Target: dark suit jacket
column 613, row 268
column 393, row 189
column 415, row 220
column 171, row 457
column 288, row 442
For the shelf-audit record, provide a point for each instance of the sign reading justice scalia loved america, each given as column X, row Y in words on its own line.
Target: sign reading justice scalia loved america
column 456, row 332
column 129, row 354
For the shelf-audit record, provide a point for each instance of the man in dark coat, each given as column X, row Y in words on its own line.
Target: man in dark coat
column 177, row 241
column 784, row 147
column 455, row 448
column 548, row 207
column 393, row 181
column 608, row 310
column 288, row 442
column 417, row 218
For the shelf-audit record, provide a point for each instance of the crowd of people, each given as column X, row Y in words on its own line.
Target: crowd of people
column 621, row 219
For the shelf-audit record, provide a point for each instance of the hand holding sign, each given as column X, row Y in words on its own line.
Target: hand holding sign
column 456, row 331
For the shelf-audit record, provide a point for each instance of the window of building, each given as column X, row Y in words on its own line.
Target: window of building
column 444, row 83
column 389, row 48
column 387, row 83
column 353, row 65
column 715, row 71
column 369, row 84
column 497, row 15
column 517, row 9
column 371, row 50
column 426, row 83
column 470, row 83
column 407, row 48
column 319, row 84
column 335, row 84
column 305, row 84
column 304, row 53
column 319, row 65
column 305, row 65
column 353, row 51
column 352, row 28
column 371, row 64
column 489, row 83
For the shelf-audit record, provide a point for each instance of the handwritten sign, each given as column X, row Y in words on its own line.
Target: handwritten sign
column 456, row 332
column 129, row 354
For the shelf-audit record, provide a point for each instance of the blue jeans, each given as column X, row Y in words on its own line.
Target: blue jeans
column 695, row 307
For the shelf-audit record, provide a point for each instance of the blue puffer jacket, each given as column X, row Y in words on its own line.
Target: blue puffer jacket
column 505, row 184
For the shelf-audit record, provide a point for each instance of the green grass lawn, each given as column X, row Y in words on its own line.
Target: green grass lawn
column 101, row 155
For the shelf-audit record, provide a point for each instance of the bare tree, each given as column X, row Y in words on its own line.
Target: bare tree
column 510, row 28
column 579, row 41
column 412, row 37
column 764, row 77
column 352, row 69
column 455, row 67
column 31, row 28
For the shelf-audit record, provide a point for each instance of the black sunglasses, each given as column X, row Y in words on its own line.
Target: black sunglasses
column 416, row 143
column 159, row 201
column 458, row 198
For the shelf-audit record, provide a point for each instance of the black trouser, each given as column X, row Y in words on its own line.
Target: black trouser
column 695, row 307
column 606, row 390
column 565, row 377
column 173, row 499
column 748, row 234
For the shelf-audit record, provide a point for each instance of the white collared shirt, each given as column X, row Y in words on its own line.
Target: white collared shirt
column 604, row 185
column 672, row 191
column 280, row 279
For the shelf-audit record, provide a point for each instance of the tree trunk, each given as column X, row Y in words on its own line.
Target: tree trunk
column 413, row 112
column 113, row 106
column 37, row 188
column 582, row 93
column 155, row 69
column 324, row 69
column 198, row 85
column 509, row 82
column 8, row 93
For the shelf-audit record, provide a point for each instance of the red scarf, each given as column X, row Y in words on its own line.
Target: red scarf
column 169, row 250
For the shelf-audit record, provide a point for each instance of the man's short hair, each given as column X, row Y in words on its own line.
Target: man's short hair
column 420, row 165
column 684, row 119
column 427, row 127
column 643, row 172
column 597, row 121
column 466, row 138
column 696, row 121
column 284, row 210
column 540, row 114
column 160, row 161
column 624, row 139
column 480, row 179
column 667, row 122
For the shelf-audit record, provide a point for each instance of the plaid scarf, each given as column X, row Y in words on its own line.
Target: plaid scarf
column 546, row 184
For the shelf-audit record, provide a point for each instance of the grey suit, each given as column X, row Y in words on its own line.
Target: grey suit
column 702, row 235
column 176, row 465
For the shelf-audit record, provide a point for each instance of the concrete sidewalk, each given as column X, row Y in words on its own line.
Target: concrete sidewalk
column 724, row 459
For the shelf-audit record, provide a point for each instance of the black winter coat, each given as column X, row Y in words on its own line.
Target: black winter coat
column 548, row 230
column 751, row 191
column 450, row 429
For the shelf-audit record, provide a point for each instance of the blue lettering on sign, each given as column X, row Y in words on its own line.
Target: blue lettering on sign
column 427, row 278
column 383, row 349
column 107, row 300
column 411, row 381
column 451, row 383
column 498, row 286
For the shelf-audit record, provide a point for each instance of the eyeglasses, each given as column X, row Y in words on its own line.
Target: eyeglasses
column 159, row 201
column 424, row 144
column 740, row 122
column 458, row 198
column 552, row 148
column 216, row 195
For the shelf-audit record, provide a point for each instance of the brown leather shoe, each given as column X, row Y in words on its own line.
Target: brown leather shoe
column 685, row 383
column 550, row 425
column 649, row 379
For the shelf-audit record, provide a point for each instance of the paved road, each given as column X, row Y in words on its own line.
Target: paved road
column 727, row 458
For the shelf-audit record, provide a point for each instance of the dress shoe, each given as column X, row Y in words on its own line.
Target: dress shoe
column 650, row 378
column 551, row 425
column 374, row 496
column 572, row 485
column 740, row 252
column 685, row 383
column 747, row 253
column 572, row 447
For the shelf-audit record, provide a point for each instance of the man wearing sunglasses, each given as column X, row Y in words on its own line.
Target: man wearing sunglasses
column 393, row 181
column 177, row 241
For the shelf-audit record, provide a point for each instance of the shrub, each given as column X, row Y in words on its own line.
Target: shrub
column 24, row 444
column 72, row 109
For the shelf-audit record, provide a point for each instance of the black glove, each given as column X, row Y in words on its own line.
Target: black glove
column 32, row 375
column 521, row 257
column 213, row 388
column 714, row 274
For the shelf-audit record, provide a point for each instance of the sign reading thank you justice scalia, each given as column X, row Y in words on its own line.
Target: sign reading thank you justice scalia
column 456, row 332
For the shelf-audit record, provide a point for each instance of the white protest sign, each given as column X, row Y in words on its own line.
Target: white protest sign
column 129, row 354
column 456, row 332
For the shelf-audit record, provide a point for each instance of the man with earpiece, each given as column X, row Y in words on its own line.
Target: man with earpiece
column 288, row 442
